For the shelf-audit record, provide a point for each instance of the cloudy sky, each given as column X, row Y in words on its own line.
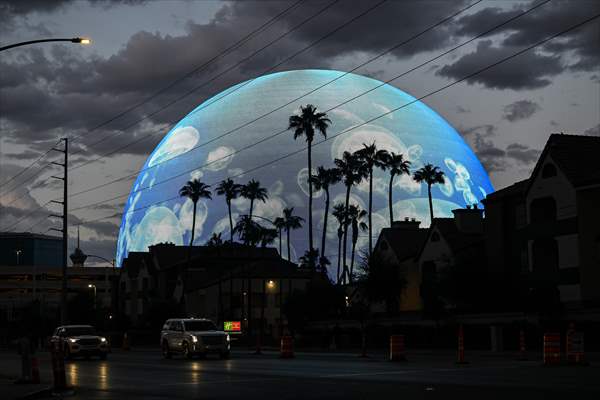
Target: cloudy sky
column 99, row 95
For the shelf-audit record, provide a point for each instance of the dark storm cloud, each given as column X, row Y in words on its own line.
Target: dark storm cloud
column 530, row 70
column 521, row 109
column 521, row 153
column 490, row 156
column 579, row 49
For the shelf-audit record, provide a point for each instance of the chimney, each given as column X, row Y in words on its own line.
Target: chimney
column 409, row 224
column 469, row 220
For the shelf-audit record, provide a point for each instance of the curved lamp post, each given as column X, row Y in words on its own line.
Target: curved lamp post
column 79, row 40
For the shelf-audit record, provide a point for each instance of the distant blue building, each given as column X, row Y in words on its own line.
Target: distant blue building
column 25, row 248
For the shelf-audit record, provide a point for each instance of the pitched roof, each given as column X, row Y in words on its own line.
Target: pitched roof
column 576, row 156
column 456, row 239
column 405, row 243
column 515, row 189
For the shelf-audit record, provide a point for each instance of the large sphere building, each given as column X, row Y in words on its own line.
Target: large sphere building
column 218, row 140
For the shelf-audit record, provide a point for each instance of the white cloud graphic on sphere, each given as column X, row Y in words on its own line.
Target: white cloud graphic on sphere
column 157, row 214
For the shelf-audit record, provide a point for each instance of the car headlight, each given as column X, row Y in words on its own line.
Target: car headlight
column 194, row 338
column 102, row 340
column 72, row 340
column 227, row 338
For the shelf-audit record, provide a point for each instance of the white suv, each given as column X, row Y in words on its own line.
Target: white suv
column 190, row 336
column 80, row 340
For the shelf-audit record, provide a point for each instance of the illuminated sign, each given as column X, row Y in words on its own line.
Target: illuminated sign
column 232, row 326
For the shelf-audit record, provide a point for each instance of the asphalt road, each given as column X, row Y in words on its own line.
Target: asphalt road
column 143, row 374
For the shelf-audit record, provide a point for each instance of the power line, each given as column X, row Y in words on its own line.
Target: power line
column 285, row 130
column 195, row 89
column 286, row 104
column 464, row 78
column 25, row 170
column 228, row 50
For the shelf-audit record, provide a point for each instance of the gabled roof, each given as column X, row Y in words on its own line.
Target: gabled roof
column 516, row 189
column 405, row 243
column 575, row 155
column 457, row 241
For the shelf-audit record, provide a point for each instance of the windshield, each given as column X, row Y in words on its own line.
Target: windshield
column 80, row 330
column 200, row 326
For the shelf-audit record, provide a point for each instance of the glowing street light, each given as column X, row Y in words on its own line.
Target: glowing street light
column 270, row 284
column 93, row 287
column 79, row 40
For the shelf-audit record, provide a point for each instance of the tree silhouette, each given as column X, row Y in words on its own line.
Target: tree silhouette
column 252, row 191
column 339, row 212
column 351, row 173
column 280, row 225
column 231, row 191
column 355, row 216
column 430, row 175
column 322, row 180
column 267, row 236
column 215, row 240
column 397, row 166
column 306, row 124
column 248, row 230
column 195, row 190
column 371, row 158
column 291, row 222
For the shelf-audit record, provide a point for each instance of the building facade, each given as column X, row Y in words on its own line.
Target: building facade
column 25, row 248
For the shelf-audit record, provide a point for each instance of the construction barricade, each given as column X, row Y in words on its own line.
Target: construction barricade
column 552, row 348
column 461, row 346
column 287, row 347
column 575, row 349
column 397, row 349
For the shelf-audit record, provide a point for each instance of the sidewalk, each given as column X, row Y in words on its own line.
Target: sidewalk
column 11, row 391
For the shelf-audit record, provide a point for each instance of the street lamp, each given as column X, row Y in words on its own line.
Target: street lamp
column 18, row 253
column 79, row 40
column 93, row 287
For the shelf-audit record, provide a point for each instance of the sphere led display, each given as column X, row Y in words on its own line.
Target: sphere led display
column 219, row 139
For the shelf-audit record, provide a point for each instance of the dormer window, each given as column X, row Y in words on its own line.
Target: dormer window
column 548, row 171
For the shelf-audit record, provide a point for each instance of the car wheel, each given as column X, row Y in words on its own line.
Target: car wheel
column 67, row 353
column 186, row 350
column 225, row 355
column 165, row 350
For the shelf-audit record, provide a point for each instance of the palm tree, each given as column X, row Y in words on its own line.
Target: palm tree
column 280, row 225
column 397, row 166
column 323, row 179
column 248, row 230
column 355, row 217
column 215, row 240
column 339, row 211
column 252, row 191
column 351, row 173
column 309, row 258
column 291, row 222
column 430, row 175
column 305, row 125
column 195, row 190
column 230, row 190
column 267, row 236
column 371, row 158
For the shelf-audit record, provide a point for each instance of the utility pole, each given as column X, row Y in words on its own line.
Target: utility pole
column 64, row 230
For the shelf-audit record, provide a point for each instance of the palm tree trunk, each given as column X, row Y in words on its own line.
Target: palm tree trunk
column 230, row 221
column 390, row 200
column 370, row 210
column 280, row 255
column 352, row 262
column 251, row 207
column 193, row 225
column 339, row 255
column 288, row 244
column 345, row 233
column 430, row 204
column 325, row 222
column 310, row 199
